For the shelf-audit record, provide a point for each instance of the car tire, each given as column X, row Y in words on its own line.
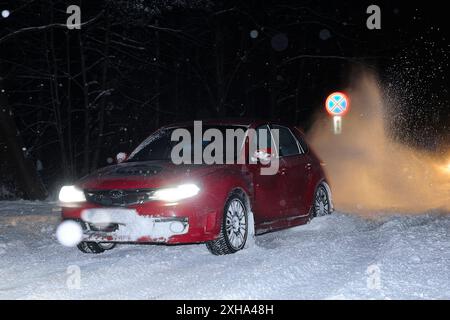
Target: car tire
column 94, row 247
column 234, row 229
column 107, row 245
column 321, row 203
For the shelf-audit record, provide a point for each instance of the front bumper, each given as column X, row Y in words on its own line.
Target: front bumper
column 126, row 225
column 151, row 222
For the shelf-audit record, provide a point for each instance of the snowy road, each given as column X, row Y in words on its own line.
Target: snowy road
column 336, row 257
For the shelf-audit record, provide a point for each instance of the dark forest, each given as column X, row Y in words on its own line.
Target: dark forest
column 72, row 98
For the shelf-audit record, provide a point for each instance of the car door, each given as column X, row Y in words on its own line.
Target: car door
column 268, row 189
column 295, row 172
column 311, row 166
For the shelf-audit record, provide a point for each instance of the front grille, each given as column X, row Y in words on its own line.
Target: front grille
column 86, row 226
column 119, row 198
column 110, row 227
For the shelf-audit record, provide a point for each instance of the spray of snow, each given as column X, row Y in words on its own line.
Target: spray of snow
column 131, row 225
column 254, row 34
column 69, row 233
column 251, row 231
column 367, row 169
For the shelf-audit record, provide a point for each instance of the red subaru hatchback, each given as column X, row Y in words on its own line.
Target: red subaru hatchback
column 153, row 197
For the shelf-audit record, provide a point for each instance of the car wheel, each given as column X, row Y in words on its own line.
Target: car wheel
column 107, row 245
column 94, row 247
column 234, row 230
column 321, row 205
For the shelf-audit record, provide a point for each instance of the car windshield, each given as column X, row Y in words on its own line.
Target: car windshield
column 159, row 145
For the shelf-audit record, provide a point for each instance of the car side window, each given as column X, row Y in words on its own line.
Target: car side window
column 303, row 144
column 288, row 145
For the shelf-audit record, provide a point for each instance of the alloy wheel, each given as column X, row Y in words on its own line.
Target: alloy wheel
column 236, row 224
column 321, row 202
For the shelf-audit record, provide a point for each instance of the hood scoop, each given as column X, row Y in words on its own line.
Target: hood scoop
column 135, row 170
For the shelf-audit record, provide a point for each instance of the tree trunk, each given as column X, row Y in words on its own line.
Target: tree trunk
column 158, row 75
column 298, row 94
column 101, row 115
column 87, row 117
column 70, row 150
column 220, row 77
column 176, row 88
column 56, row 100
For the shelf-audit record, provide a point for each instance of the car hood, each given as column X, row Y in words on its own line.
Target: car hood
column 149, row 174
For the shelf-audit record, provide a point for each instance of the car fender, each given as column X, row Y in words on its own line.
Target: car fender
column 220, row 184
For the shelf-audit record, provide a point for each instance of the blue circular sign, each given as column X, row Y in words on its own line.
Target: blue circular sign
column 337, row 104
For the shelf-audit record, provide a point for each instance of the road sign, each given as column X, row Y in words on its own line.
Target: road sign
column 337, row 104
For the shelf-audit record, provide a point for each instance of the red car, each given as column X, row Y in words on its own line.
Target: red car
column 147, row 198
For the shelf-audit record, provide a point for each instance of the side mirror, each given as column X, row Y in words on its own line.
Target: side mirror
column 264, row 156
column 121, row 157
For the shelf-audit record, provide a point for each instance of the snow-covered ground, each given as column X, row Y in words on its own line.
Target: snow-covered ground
column 335, row 257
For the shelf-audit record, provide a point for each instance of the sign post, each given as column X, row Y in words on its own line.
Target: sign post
column 337, row 105
column 337, row 124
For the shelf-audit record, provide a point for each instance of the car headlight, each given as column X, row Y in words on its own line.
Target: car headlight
column 177, row 193
column 71, row 194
